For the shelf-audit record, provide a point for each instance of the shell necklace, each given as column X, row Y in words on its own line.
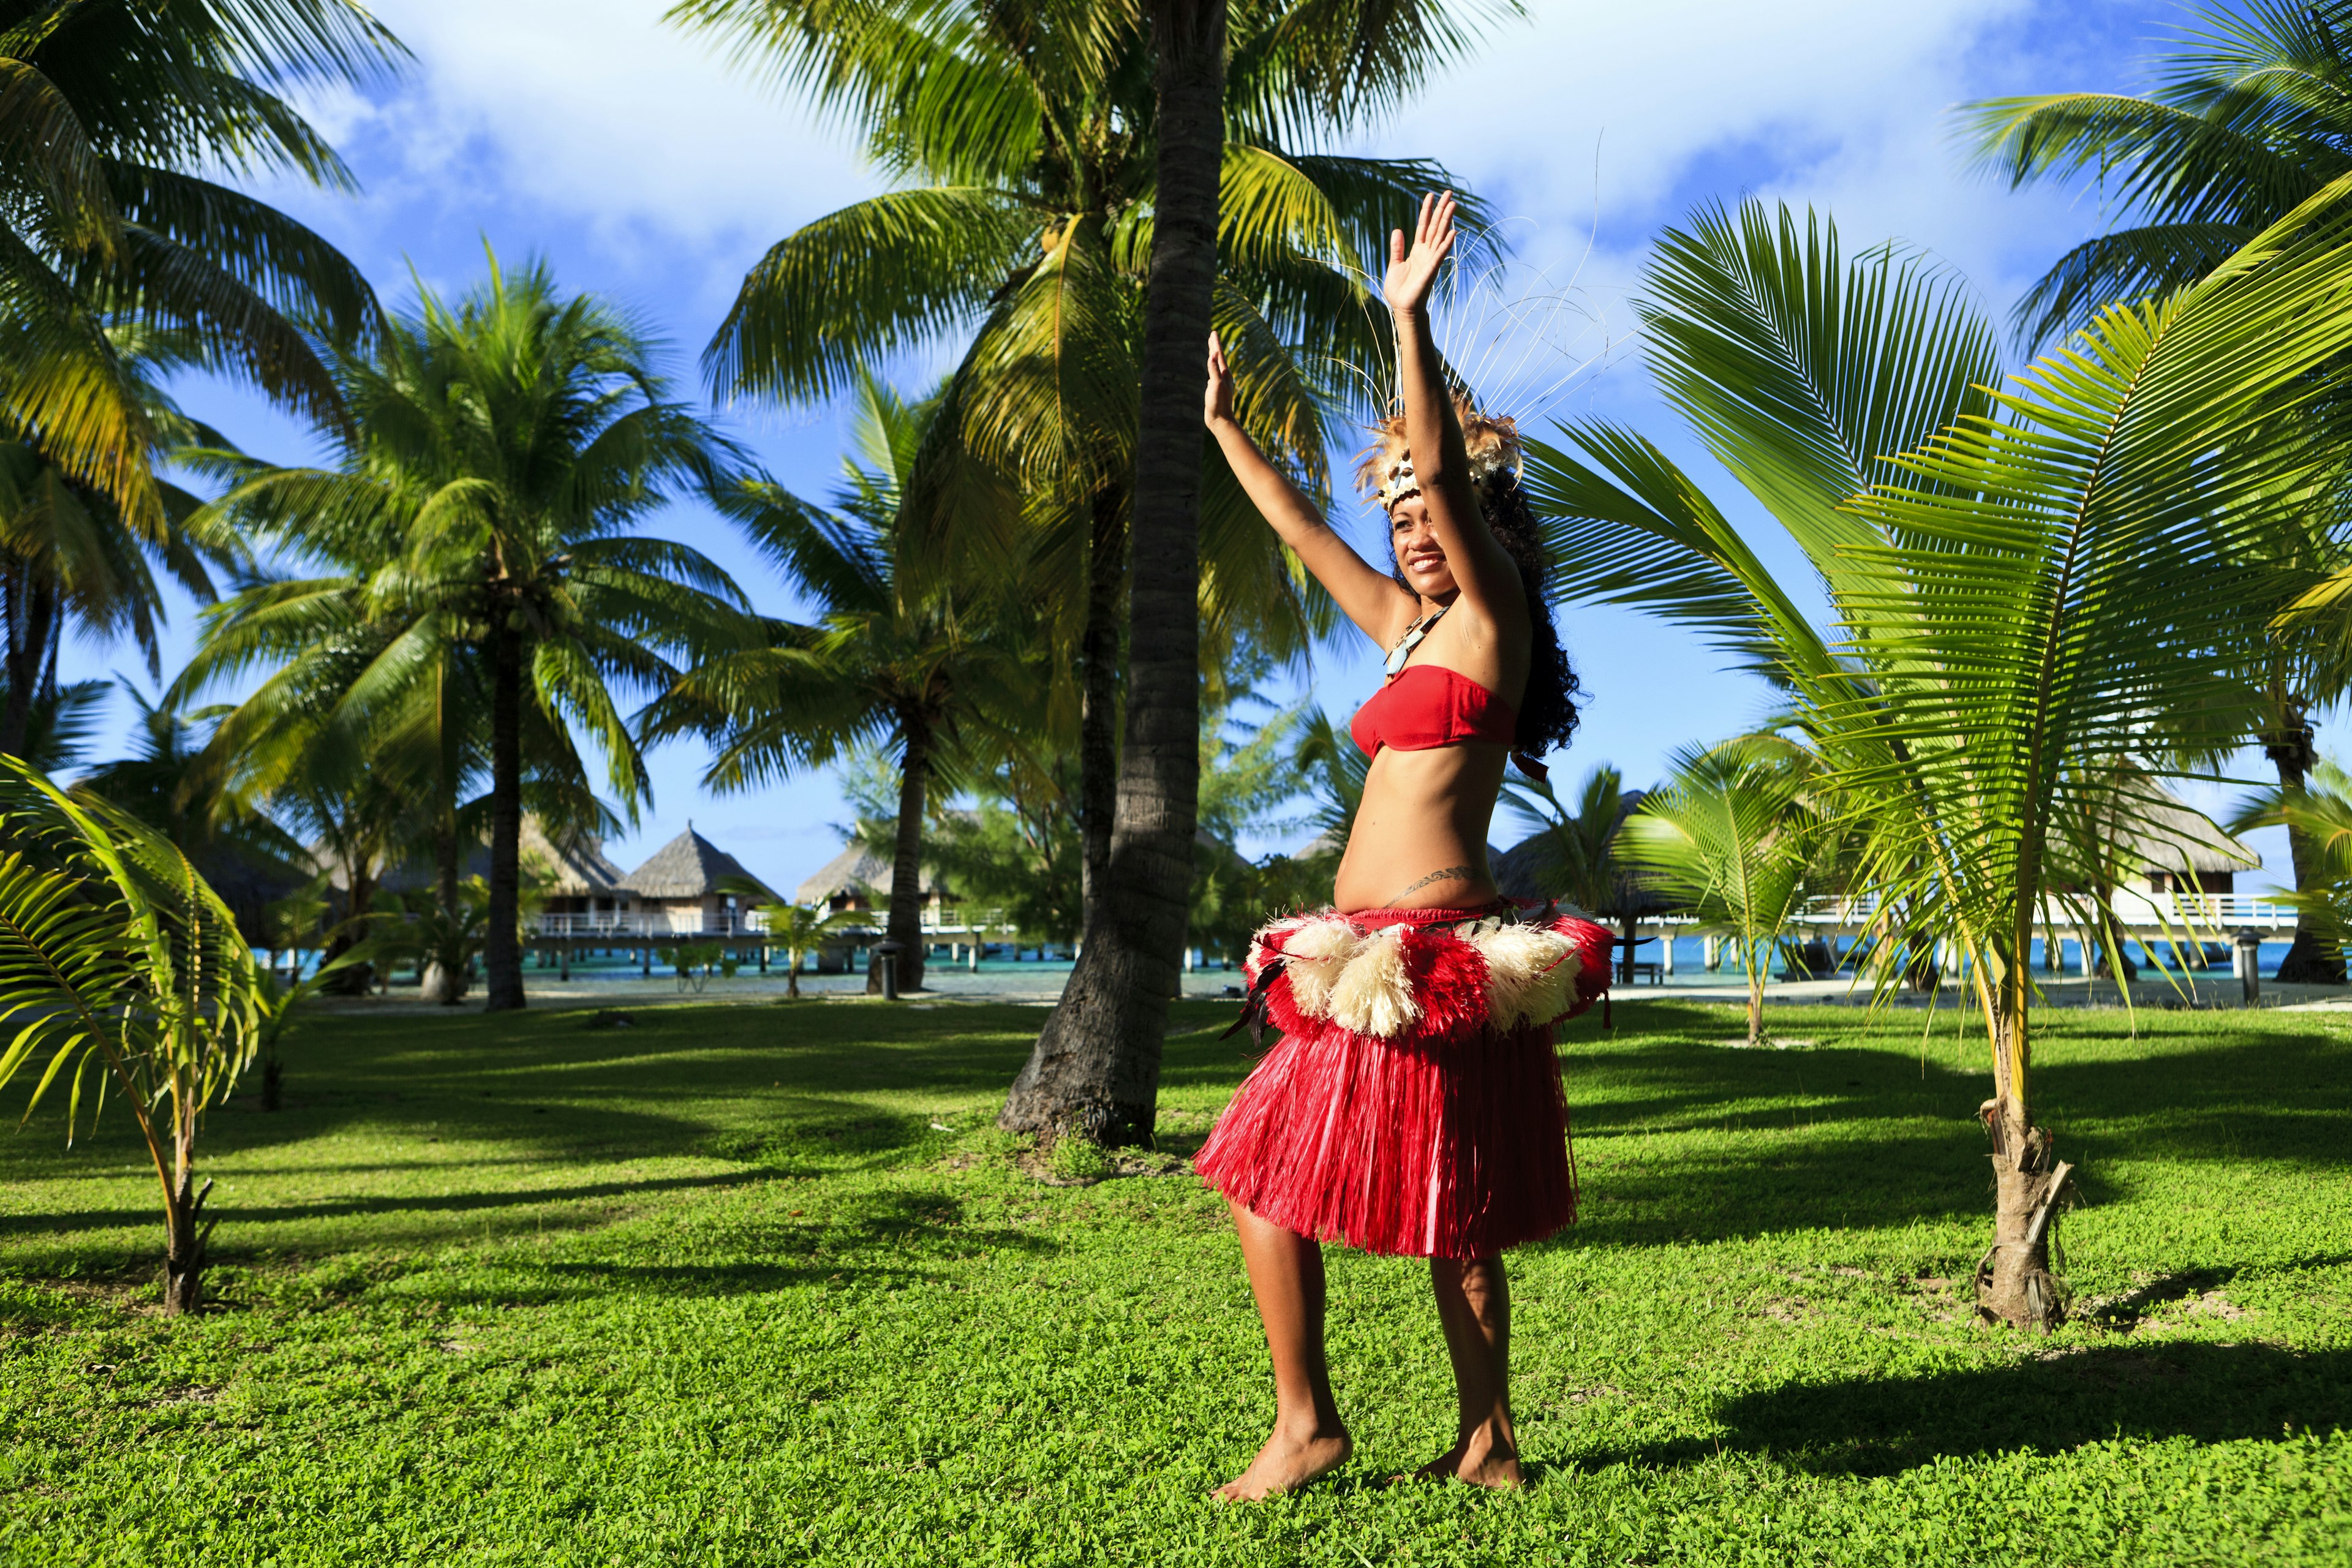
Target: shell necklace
column 1412, row 639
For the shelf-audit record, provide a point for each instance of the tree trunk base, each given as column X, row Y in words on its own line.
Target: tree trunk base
column 439, row 985
column 186, row 1236
column 1079, row 1080
column 2015, row 1284
column 2307, row 963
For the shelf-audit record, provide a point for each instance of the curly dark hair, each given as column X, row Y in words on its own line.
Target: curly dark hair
column 1548, row 707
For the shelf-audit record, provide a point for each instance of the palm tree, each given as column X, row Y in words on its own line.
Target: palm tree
column 245, row 855
column 420, row 928
column 61, row 721
column 899, row 656
column 1580, row 843
column 370, row 739
column 799, row 931
column 1577, row 858
column 2321, row 813
column 118, row 964
column 2251, row 116
column 69, row 554
column 357, row 826
column 2024, row 588
column 484, row 523
column 1018, row 847
column 1048, row 221
column 275, row 1004
column 1731, row 840
column 112, row 119
column 1247, row 776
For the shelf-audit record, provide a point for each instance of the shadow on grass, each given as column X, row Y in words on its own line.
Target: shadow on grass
column 2122, row 1314
column 2208, row 1393
column 888, row 1239
column 341, row 1208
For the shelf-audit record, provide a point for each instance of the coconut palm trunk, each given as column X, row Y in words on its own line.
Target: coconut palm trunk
column 2014, row 1281
column 2291, row 752
column 1099, row 699
column 32, row 641
column 502, row 943
column 186, row 1232
column 905, row 925
column 447, row 732
column 1096, row 1067
column 359, row 879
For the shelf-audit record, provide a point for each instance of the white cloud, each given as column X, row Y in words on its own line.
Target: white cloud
column 599, row 109
column 1625, row 115
column 1655, row 86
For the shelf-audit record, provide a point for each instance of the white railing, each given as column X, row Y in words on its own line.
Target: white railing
column 653, row 925
column 2201, row 914
column 958, row 920
column 2188, row 915
column 670, row 925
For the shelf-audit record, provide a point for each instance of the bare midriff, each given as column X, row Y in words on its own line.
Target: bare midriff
column 1419, row 839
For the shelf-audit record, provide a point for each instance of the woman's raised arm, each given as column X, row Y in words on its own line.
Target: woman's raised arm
column 1431, row 433
column 1368, row 597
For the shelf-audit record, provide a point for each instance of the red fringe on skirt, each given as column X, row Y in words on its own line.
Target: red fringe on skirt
column 1447, row 1142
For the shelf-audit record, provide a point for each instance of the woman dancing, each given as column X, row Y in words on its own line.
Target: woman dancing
column 1412, row 1106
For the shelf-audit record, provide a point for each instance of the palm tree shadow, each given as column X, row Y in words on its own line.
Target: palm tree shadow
column 1876, row 1426
column 894, row 1239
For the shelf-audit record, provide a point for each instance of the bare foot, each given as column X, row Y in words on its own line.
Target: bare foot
column 1482, row 1457
column 1441, row 1469
column 1287, row 1463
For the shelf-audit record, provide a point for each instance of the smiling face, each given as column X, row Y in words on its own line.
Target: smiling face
column 1420, row 559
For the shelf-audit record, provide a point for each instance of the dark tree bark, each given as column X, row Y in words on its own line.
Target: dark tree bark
column 354, row 981
column 444, row 821
column 186, row 1233
column 1096, row 1067
column 444, row 980
column 445, row 863
column 2291, row 750
column 502, row 943
column 32, row 617
column 905, row 925
column 1098, row 701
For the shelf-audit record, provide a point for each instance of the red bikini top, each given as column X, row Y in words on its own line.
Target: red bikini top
column 1425, row 706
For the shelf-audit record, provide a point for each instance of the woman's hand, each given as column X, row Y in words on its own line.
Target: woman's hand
column 1217, row 408
column 1411, row 275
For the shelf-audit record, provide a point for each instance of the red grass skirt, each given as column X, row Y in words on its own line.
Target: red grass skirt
column 1443, row 1136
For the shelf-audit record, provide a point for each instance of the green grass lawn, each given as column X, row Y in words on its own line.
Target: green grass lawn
column 718, row 1290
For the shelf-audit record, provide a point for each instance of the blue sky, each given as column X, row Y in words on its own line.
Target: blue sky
column 644, row 167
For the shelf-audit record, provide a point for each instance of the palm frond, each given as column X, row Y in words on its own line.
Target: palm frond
column 862, row 283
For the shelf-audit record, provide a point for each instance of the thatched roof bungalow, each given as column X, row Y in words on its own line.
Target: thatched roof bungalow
column 691, row 873
column 856, row 878
column 580, row 876
column 2177, row 849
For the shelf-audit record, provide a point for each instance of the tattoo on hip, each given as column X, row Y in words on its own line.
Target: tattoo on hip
column 1449, row 874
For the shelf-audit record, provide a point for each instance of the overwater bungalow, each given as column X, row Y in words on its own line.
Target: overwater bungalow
column 691, row 887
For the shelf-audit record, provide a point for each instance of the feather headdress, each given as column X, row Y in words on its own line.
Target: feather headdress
column 1385, row 472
